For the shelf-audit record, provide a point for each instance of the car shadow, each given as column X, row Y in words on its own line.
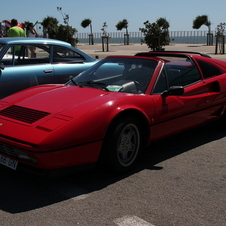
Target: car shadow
column 21, row 192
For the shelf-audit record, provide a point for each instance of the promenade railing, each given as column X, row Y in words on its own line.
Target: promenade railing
column 177, row 37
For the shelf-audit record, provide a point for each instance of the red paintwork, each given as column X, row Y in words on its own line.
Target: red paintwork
column 73, row 132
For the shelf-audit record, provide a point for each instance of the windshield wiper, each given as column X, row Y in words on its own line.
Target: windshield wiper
column 91, row 82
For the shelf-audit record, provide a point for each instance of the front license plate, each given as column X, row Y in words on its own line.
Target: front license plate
column 8, row 162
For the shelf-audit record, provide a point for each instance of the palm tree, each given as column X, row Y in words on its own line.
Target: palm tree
column 85, row 23
column 121, row 25
column 203, row 20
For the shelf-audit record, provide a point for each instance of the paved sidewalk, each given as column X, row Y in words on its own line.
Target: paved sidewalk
column 121, row 49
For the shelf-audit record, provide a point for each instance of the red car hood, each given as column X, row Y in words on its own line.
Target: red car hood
column 71, row 105
column 56, row 98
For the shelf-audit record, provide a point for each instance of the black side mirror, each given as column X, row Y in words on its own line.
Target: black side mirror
column 174, row 91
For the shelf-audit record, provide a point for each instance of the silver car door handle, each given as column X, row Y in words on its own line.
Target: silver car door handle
column 48, row 71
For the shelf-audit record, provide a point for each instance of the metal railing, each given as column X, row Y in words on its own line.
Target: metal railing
column 183, row 37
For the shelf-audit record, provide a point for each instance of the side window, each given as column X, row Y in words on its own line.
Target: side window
column 9, row 57
column 177, row 73
column 18, row 55
column 208, row 69
column 183, row 76
column 12, row 55
column 63, row 54
column 182, row 73
column 41, row 53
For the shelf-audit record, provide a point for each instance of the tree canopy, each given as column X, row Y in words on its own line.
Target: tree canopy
column 87, row 22
column 59, row 32
column 156, row 34
column 123, row 25
column 50, row 25
column 103, row 29
column 66, row 33
column 201, row 20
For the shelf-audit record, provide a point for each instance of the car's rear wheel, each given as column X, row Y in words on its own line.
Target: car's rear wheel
column 123, row 145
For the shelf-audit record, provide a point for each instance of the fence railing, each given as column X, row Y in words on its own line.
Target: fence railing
column 183, row 37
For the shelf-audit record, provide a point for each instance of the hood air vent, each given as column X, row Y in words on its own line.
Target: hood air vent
column 23, row 114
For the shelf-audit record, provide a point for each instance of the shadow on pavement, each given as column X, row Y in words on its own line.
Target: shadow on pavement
column 21, row 192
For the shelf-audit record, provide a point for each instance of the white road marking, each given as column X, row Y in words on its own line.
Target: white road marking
column 68, row 190
column 131, row 221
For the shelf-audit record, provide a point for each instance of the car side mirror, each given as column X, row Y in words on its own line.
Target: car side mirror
column 174, row 91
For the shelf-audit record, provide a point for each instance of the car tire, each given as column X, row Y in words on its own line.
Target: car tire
column 123, row 145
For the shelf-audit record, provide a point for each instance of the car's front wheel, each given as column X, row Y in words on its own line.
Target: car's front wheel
column 123, row 145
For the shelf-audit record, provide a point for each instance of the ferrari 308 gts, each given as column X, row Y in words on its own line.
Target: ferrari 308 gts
column 109, row 112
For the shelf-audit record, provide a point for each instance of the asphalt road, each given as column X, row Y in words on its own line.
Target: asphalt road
column 180, row 181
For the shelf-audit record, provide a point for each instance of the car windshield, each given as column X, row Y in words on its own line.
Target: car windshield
column 118, row 74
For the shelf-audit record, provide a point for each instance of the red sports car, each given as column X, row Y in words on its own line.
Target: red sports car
column 109, row 112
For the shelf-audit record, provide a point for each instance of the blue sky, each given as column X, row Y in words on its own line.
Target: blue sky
column 179, row 13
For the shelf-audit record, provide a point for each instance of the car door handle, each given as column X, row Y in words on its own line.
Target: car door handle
column 48, row 71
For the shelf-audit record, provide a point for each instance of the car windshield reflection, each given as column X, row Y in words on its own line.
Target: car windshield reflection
column 118, row 74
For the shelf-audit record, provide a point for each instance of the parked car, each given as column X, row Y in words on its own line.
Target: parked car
column 109, row 112
column 52, row 61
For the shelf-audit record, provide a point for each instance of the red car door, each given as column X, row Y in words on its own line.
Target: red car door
column 200, row 102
